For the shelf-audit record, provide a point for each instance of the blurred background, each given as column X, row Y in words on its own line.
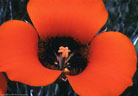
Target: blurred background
column 123, row 17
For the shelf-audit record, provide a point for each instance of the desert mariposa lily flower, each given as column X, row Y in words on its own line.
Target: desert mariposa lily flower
column 110, row 61
column 3, row 84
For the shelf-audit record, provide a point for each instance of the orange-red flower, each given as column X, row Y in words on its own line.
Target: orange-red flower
column 112, row 57
column 3, row 84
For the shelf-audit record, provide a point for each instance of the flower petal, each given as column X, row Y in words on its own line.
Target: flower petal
column 3, row 84
column 80, row 19
column 112, row 64
column 18, row 55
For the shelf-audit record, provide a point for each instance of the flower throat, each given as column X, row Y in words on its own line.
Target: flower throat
column 63, row 53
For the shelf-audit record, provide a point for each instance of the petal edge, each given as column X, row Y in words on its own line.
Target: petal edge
column 19, row 46
column 112, row 64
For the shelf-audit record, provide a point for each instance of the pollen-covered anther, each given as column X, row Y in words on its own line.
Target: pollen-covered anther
column 66, row 70
column 56, row 63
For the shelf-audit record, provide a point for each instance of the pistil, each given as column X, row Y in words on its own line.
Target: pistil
column 63, row 53
column 63, row 57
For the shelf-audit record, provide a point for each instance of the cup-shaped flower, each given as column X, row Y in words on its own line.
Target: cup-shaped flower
column 111, row 59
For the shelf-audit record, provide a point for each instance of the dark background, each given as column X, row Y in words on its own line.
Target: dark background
column 123, row 17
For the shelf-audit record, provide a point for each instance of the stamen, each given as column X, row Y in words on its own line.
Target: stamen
column 63, row 53
column 55, row 63
column 66, row 70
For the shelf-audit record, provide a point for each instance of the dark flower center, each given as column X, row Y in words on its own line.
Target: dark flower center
column 51, row 58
